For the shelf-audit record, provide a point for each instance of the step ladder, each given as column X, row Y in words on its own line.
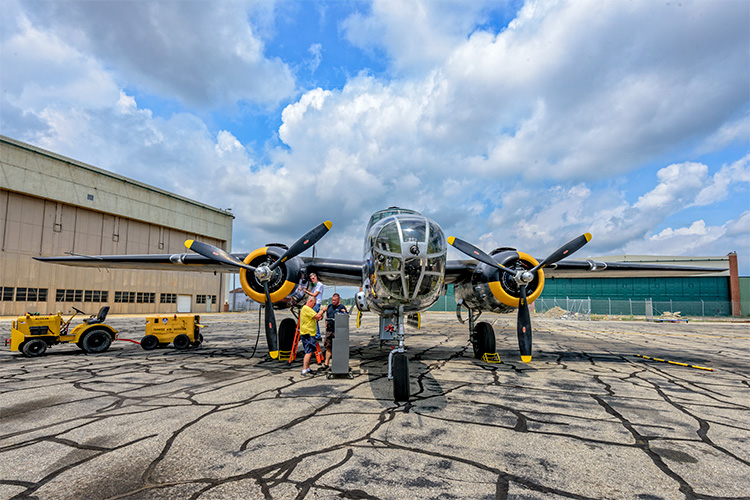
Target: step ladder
column 292, row 355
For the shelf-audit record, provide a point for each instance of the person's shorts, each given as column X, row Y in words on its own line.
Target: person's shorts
column 328, row 342
column 309, row 343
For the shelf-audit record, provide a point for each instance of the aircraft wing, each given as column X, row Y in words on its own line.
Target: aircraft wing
column 153, row 262
column 459, row 271
column 331, row 271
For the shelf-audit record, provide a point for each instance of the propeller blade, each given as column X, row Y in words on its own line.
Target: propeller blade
column 477, row 253
column 524, row 327
column 567, row 249
column 304, row 243
column 272, row 338
column 217, row 254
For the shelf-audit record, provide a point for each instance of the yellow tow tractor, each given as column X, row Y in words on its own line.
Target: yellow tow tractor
column 181, row 331
column 33, row 333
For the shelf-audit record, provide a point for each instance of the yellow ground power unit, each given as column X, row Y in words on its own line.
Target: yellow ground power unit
column 181, row 331
column 32, row 334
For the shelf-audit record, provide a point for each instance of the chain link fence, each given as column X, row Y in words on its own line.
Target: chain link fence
column 636, row 307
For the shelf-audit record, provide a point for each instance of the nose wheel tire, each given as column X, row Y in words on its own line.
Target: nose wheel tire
column 484, row 340
column 33, row 348
column 95, row 341
column 400, row 377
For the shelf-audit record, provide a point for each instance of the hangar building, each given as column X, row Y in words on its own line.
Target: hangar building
column 52, row 205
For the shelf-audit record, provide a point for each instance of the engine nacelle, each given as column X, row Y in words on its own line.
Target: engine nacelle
column 493, row 290
column 284, row 286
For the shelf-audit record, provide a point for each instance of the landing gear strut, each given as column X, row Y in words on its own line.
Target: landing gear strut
column 481, row 335
column 398, row 363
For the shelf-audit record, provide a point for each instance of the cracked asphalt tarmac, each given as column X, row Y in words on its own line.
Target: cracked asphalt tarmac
column 586, row 419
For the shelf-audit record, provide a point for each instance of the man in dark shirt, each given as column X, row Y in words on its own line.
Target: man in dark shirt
column 334, row 308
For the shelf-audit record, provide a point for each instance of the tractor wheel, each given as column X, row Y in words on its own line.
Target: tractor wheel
column 149, row 342
column 484, row 340
column 95, row 341
column 400, row 377
column 181, row 341
column 33, row 348
column 198, row 340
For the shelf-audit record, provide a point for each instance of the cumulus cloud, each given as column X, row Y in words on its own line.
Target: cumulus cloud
column 204, row 53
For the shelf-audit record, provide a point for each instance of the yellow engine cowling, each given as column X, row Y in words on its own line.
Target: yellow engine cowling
column 283, row 286
column 493, row 290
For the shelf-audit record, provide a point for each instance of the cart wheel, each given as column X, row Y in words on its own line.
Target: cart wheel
column 149, row 342
column 95, row 341
column 181, row 341
column 198, row 340
column 33, row 348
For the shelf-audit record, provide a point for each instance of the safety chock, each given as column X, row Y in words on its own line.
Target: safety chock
column 491, row 357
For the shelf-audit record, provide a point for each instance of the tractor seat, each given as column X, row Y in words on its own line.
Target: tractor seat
column 99, row 318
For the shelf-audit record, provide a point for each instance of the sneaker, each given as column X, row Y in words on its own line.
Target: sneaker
column 307, row 373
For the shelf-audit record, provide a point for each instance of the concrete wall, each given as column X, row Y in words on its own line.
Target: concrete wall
column 54, row 216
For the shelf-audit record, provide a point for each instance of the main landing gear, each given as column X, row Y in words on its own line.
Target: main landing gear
column 481, row 335
column 398, row 363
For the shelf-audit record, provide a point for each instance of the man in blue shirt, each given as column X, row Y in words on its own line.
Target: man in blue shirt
column 334, row 308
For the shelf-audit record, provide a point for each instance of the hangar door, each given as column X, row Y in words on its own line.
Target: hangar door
column 183, row 303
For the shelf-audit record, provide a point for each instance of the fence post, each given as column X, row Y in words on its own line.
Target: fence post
column 703, row 309
column 609, row 302
column 671, row 309
column 631, row 306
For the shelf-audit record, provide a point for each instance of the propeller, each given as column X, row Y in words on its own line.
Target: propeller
column 264, row 272
column 522, row 278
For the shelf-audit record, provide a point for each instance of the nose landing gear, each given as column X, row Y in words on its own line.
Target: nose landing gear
column 398, row 363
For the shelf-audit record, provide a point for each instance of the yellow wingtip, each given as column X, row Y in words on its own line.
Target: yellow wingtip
column 274, row 354
column 189, row 243
column 588, row 237
column 451, row 239
column 525, row 359
column 328, row 224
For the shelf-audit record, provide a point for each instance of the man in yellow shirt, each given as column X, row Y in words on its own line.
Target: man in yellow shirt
column 308, row 327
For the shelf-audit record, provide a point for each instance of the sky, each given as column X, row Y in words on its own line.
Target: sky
column 510, row 123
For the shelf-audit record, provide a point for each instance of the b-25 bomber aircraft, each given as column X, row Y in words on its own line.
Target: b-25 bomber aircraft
column 403, row 272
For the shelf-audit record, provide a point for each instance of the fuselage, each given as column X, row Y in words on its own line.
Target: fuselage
column 405, row 258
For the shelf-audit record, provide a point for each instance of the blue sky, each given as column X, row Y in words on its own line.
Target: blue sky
column 510, row 123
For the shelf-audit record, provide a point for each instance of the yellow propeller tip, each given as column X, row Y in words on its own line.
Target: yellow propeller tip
column 588, row 236
column 525, row 359
column 274, row 354
column 328, row 224
column 451, row 239
column 189, row 243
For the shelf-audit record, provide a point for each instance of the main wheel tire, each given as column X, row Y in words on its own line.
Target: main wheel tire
column 33, row 348
column 181, row 341
column 400, row 377
column 95, row 341
column 198, row 340
column 287, row 329
column 149, row 342
column 484, row 340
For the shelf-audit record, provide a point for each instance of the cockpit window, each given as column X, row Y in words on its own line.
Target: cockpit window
column 436, row 244
column 388, row 239
column 414, row 230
